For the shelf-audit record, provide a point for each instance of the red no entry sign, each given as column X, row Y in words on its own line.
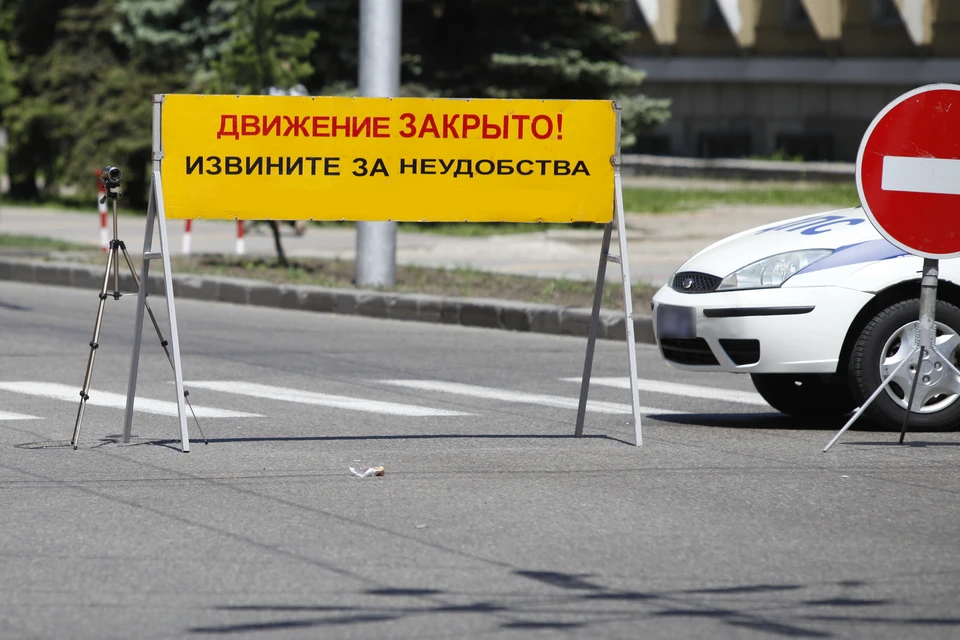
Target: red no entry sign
column 908, row 171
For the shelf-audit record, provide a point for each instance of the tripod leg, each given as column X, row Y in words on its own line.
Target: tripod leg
column 163, row 342
column 913, row 391
column 186, row 396
column 94, row 345
column 116, row 260
column 872, row 397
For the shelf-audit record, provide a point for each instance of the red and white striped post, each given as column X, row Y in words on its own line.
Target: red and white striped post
column 240, row 244
column 102, row 207
column 186, row 238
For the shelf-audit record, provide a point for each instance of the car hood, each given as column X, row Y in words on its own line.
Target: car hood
column 843, row 229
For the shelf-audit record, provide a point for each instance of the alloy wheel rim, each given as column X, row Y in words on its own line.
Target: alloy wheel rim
column 898, row 346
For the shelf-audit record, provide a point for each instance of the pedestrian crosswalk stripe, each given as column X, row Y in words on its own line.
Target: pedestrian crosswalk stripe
column 322, row 399
column 677, row 389
column 7, row 415
column 504, row 395
column 115, row 400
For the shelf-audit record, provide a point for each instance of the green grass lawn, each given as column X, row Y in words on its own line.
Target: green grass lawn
column 468, row 283
column 671, row 200
column 8, row 241
column 655, row 200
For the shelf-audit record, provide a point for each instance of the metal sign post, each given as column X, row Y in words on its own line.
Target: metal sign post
column 908, row 178
column 930, row 372
column 379, row 76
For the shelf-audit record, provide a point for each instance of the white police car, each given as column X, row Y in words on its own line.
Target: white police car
column 818, row 310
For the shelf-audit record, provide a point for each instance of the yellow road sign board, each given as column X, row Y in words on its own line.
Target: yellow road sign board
column 402, row 159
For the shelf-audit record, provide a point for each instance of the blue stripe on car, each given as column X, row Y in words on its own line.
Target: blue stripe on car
column 868, row 251
column 814, row 225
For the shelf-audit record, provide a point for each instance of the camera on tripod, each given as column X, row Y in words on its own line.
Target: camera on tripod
column 110, row 177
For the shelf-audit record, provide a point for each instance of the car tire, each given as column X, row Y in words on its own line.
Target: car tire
column 805, row 395
column 879, row 342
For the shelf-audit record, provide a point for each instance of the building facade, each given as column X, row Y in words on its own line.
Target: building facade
column 794, row 78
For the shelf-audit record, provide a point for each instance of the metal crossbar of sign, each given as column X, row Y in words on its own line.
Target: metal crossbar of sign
column 385, row 159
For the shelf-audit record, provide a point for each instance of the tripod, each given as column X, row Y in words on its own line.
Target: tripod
column 932, row 372
column 110, row 176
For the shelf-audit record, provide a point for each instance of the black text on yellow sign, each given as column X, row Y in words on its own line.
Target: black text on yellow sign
column 259, row 157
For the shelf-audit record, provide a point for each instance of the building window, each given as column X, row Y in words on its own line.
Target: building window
column 712, row 16
column 725, row 144
column 795, row 15
column 809, row 146
column 884, row 13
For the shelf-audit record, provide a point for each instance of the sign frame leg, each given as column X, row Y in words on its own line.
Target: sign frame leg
column 623, row 260
column 156, row 215
column 628, row 308
column 171, row 313
column 138, row 323
column 592, row 331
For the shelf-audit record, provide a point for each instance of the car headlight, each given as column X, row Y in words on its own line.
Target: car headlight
column 772, row 271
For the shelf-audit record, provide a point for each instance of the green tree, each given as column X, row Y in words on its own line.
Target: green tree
column 8, row 92
column 164, row 35
column 85, row 99
column 335, row 54
column 76, row 76
column 265, row 48
column 497, row 49
column 567, row 49
column 266, row 45
column 25, row 27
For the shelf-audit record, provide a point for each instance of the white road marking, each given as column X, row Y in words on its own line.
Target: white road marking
column 503, row 395
column 6, row 415
column 322, row 399
column 921, row 175
column 677, row 389
column 115, row 400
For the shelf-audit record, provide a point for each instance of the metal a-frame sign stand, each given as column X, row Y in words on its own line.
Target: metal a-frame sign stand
column 623, row 261
column 156, row 216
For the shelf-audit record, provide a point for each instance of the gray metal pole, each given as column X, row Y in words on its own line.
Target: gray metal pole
column 379, row 77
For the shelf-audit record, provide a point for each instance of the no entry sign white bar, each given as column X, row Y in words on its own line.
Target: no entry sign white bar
column 921, row 175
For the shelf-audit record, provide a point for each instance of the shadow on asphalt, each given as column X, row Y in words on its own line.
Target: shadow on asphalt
column 906, row 443
column 172, row 443
column 581, row 601
column 13, row 307
column 772, row 421
column 769, row 421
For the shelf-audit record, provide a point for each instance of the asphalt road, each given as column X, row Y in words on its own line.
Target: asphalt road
column 491, row 520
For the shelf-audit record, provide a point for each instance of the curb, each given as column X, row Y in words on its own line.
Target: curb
column 469, row 312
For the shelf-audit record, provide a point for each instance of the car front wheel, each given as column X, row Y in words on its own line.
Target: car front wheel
column 883, row 344
column 804, row 395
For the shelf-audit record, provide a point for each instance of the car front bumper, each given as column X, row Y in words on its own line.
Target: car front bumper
column 781, row 330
